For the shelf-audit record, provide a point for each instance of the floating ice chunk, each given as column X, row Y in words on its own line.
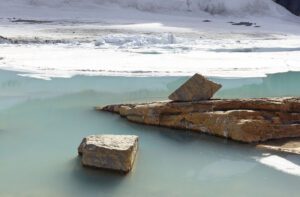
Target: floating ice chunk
column 133, row 41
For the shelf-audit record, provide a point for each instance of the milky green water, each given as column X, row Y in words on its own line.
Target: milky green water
column 43, row 122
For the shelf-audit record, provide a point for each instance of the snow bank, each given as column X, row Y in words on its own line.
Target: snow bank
column 281, row 164
column 215, row 7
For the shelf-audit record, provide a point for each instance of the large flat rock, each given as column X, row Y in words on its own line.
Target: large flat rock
column 195, row 89
column 114, row 152
column 245, row 120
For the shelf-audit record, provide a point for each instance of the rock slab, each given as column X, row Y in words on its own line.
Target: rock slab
column 113, row 152
column 284, row 145
column 244, row 120
column 195, row 89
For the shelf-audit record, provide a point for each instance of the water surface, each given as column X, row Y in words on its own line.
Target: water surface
column 43, row 122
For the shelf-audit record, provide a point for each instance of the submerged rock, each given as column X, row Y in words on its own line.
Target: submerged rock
column 245, row 120
column 285, row 145
column 114, row 152
column 195, row 89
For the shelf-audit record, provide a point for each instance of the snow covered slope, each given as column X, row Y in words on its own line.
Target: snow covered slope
column 62, row 38
column 215, row 7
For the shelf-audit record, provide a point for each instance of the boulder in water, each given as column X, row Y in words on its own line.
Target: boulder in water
column 114, row 152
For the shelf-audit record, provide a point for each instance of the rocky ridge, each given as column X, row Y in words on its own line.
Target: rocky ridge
column 245, row 120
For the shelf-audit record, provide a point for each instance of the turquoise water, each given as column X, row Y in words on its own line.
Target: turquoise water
column 43, row 122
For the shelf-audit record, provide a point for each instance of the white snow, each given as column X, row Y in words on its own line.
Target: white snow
column 225, row 7
column 62, row 38
column 281, row 164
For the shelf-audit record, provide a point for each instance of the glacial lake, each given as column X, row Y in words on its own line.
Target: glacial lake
column 42, row 123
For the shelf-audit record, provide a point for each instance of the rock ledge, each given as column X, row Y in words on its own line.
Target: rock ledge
column 245, row 120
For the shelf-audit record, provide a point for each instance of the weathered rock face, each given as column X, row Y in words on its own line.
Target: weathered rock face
column 245, row 120
column 285, row 145
column 114, row 152
column 195, row 89
column 292, row 5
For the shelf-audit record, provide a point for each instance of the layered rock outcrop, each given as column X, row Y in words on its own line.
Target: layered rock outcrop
column 284, row 145
column 245, row 120
column 114, row 152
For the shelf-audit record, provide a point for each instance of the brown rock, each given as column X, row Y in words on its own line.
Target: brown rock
column 284, row 145
column 245, row 120
column 195, row 89
column 114, row 152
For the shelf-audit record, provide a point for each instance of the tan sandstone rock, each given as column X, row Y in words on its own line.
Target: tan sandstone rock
column 195, row 89
column 284, row 145
column 245, row 120
column 114, row 152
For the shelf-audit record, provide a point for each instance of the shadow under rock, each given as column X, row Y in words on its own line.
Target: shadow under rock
column 100, row 179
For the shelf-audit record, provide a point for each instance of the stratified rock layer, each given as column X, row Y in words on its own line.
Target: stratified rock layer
column 245, row 120
column 284, row 145
column 114, row 152
column 195, row 89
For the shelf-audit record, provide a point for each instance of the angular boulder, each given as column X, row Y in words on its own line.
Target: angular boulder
column 113, row 152
column 195, row 89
